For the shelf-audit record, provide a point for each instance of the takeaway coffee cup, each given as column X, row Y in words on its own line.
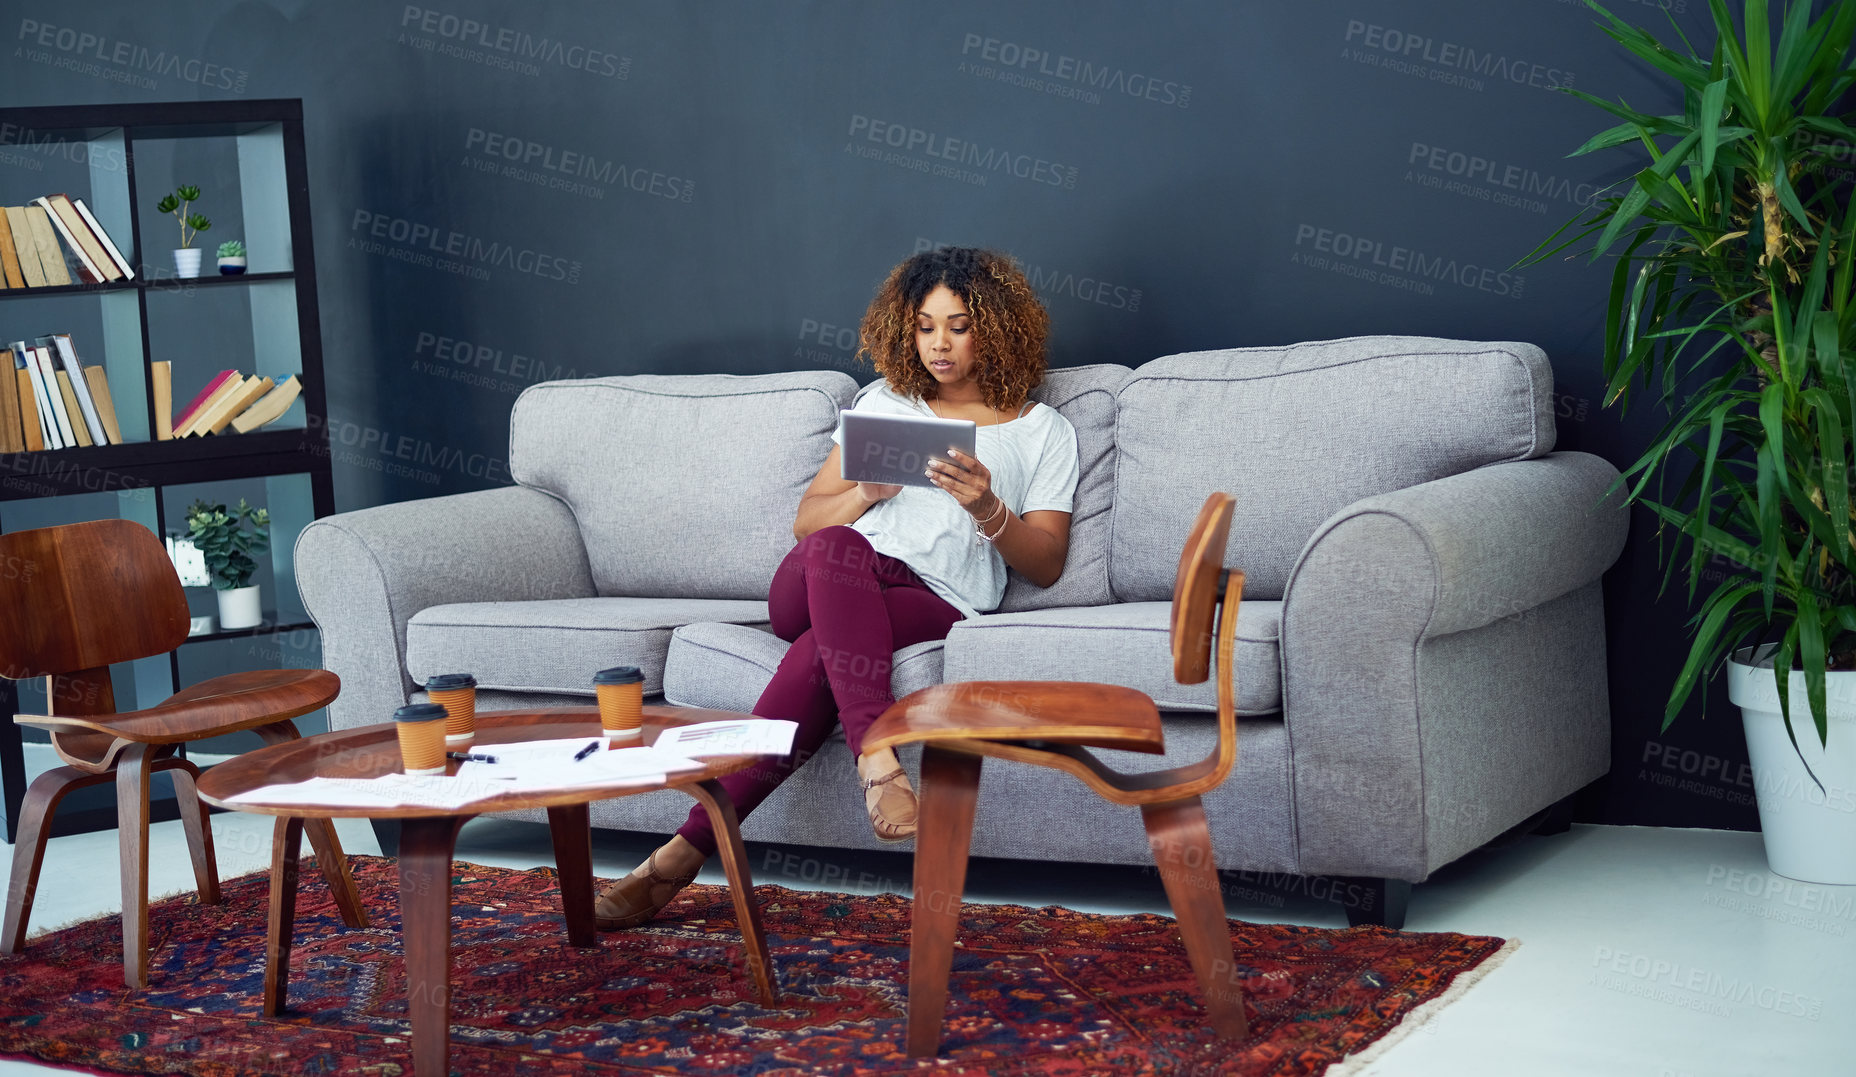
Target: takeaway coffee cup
column 621, row 704
column 457, row 693
column 422, row 737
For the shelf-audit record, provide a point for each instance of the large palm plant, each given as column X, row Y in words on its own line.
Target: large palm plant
column 1732, row 302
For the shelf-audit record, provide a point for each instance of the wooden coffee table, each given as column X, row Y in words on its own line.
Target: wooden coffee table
column 428, row 838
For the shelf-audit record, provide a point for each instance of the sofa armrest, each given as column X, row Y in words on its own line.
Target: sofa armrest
column 1433, row 642
column 364, row 574
column 1471, row 548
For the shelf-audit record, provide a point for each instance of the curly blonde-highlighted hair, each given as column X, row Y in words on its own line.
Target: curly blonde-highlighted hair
column 1009, row 325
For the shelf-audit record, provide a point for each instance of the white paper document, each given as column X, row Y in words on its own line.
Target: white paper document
column 752, row 736
column 386, row 791
column 551, row 764
column 537, row 766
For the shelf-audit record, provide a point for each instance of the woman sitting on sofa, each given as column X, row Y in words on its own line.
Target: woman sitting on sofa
column 956, row 333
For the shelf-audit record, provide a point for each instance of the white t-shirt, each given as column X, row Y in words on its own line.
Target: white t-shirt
column 1034, row 468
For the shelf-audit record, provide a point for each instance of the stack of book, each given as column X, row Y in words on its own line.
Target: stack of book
column 230, row 401
column 30, row 255
column 51, row 401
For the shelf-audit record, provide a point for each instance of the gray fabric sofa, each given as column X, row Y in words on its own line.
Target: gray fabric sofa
column 1421, row 651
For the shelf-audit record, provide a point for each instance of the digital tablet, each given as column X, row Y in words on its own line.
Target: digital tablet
column 879, row 447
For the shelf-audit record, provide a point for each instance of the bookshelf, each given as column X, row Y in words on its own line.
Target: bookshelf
column 252, row 155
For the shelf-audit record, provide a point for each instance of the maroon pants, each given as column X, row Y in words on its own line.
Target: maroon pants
column 846, row 609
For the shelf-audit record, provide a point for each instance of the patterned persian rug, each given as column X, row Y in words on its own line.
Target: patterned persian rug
column 1034, row 991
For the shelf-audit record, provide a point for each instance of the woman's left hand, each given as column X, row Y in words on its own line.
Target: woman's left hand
column 967, row 480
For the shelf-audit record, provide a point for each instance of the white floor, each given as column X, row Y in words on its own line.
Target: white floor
column 1648, row 953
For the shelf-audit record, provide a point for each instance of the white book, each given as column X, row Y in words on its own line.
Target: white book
column 109, row 245
column 67, row 355
column 48, row 427
column 49, row 375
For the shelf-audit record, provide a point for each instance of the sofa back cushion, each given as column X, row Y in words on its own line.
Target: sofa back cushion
column 1085, row 395
column 683, row 485
column 1298, row 433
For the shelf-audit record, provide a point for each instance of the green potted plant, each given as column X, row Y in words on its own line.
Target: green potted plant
column 231, row 257
column 228, row 540
column 179, row 202
column 1732, row 308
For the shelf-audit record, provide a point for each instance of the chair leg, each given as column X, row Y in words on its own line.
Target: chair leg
column 286, row 843
column 197, row 823
column 943, row 835
column 330, row 859
column 132, row 768
column 35, row 827
column 1182, row 845
column 333, row 864
column 727, row 825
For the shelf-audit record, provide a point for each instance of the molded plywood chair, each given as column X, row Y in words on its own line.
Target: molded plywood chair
column 1052, row 724
column 73, row 600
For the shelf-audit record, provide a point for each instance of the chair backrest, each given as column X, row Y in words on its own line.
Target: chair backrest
column 1195, row 590
column 83, row 596
column 1204, row 594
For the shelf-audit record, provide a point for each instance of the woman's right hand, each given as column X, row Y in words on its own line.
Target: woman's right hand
column 878, row 491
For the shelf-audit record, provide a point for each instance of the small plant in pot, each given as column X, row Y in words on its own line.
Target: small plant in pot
column 229, row 541
column 179, row 202
column 232, row 257
column 1733, row 309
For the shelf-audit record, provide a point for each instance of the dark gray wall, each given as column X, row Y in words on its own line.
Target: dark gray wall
column 507, row 192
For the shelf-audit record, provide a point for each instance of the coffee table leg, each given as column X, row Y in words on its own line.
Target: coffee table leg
column 426, row 847
column 286, row 851
column 735, row 862
column 572, row 831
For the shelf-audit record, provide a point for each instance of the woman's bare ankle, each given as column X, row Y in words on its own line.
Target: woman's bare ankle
column 876, row 764
column 674, row 859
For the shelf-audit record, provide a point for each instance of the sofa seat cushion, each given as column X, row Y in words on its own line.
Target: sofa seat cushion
column 1125, row 643
column 557, row 645
column 727, row 666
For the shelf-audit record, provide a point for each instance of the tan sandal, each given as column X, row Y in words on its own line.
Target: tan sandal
column 637, row 898
column 892, row 810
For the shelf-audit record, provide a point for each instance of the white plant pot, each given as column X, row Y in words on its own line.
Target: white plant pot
column 232, row 264
column 238, row 608
column 187, row 262
column 1810, row 832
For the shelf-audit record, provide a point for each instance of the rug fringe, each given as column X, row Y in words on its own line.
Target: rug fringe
column 308, row 864
column 1355, row 1064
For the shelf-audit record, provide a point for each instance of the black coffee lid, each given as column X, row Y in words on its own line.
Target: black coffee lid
column 419, row 712
column 619, row 675
column 445, row 682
